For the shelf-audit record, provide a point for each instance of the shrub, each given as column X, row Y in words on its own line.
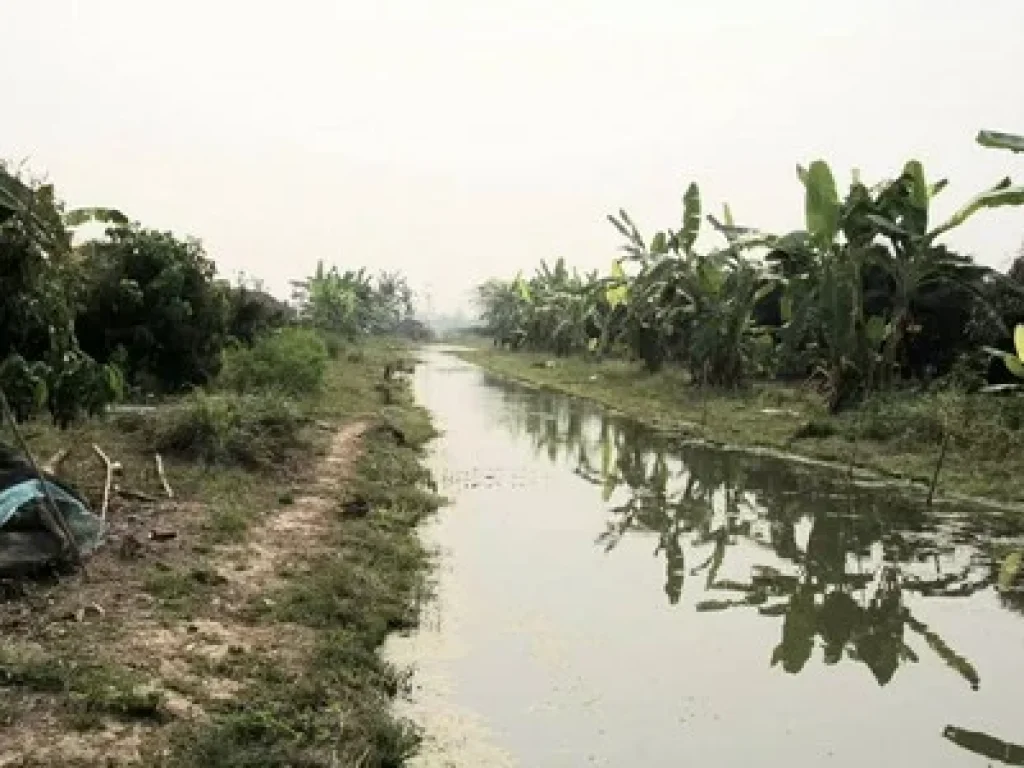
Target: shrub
column 253, row 312
column 253, row 431
column 290, row 361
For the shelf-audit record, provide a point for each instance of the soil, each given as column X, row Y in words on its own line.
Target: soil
column 103, row 615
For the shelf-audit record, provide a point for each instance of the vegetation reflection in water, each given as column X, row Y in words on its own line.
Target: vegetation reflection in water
column 834, row 560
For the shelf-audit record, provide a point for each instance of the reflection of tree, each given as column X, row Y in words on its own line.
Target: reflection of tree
column 985, row 745
column 851, row 558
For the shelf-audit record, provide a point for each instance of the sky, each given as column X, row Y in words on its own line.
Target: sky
column 458, row 140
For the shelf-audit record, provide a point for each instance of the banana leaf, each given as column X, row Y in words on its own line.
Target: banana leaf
column 691, row 218
column 997, row 140
column 822, row 203
column 1002, row 194
column 81, row 216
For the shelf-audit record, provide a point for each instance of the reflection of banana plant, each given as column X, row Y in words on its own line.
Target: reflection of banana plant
column 699, row 502
column 709, row 502
column 997, row 140
column 1010, row 571
column 985, row 745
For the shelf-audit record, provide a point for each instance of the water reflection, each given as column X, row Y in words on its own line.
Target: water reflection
column 985, row 745
column 838, row 563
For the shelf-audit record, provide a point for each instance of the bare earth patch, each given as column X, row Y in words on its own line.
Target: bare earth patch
column 107, row 617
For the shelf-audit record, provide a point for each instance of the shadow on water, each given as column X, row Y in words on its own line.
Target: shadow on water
column 835, row 560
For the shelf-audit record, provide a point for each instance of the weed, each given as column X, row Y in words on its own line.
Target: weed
column 257, row 432
column 181, row 591
column 93, row 690
column 288, row 361
column 226, row 524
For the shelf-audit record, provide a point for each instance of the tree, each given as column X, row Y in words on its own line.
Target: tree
column 150, row 303
column 41, row 364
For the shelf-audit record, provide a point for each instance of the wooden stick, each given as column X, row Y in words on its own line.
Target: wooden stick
column 52, row 464
column 128, row 493
column 50, row 513
column 163, row 478
column 938, row 468
column 109, row 466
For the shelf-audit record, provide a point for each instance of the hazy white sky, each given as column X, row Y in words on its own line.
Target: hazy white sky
column 459, row 139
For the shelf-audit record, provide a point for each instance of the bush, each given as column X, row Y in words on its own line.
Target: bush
column 290, row 361
column 256, row 432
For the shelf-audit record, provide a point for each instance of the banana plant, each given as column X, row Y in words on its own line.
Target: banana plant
column 1014, row 361
column 916, row 270
column 823, row 308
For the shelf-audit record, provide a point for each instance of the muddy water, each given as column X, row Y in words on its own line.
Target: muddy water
column 608, row 599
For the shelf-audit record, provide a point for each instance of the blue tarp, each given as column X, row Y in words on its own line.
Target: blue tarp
column 86, row 527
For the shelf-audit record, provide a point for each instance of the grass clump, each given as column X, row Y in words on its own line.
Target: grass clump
column 251, row 431
column 289, row 361
column 182, row 590
column 93, row 690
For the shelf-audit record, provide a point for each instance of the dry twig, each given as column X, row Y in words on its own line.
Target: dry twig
column 109, row 466
column 163, row 477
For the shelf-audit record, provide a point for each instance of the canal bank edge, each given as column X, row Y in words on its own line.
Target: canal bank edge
column 249, row 638
column 782, row 421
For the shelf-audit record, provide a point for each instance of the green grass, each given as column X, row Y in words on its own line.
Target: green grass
column 369, row 585
column 896, row 434
column 330, row 706
column 92, row 690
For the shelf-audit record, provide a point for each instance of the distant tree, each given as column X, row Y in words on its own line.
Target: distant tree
column 253, row 312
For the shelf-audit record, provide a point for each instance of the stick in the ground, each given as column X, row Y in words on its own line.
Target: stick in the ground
column 50, row 513
column 52, row 464
column 938, row 468
column 109, row 467
column 163, row 477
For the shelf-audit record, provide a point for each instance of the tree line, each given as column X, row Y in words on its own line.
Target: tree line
column 136, row 311
column 865, row 295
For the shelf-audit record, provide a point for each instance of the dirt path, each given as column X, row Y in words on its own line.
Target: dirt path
column 182, row 660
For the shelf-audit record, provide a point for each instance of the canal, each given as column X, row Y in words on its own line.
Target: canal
column 608, row 597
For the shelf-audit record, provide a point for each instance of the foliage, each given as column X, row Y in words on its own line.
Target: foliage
column 288, row 361
column 36, row 270
column 150, row 302
column 861, row 297
column 555, row 308
column 253, row 312
column 262, row 432
column 42, row 364
column 24, row 385
column 352, row 303
column 81, row 386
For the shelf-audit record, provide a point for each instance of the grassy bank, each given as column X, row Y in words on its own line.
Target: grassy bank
column 238, row 623
column 898, row 434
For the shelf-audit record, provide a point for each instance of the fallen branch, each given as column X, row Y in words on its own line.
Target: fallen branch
column 128, row 493
column 52, row 464
column 163, row 477
column 109, row 466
